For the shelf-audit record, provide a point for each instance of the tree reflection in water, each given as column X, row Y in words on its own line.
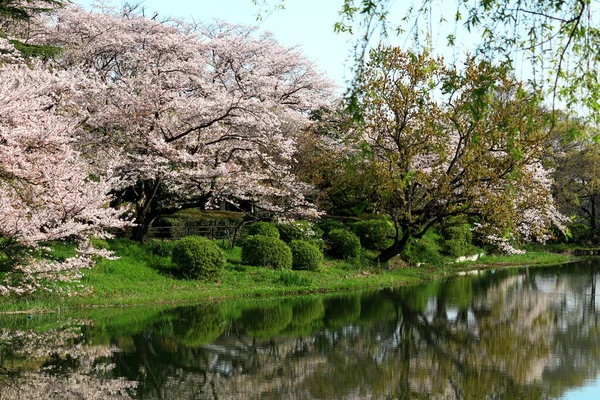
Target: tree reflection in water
column 522, row 333
column 57, row 364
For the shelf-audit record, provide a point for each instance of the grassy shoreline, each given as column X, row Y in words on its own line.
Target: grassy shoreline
column 140, row 278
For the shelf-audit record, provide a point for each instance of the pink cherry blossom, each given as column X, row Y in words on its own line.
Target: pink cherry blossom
column 190, row 113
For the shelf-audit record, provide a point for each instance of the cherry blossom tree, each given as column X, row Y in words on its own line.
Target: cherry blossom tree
column 47, row 191
column 192, row 114
column 439, row 142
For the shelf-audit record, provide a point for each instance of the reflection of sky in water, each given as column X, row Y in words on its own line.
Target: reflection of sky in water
column 590, row 391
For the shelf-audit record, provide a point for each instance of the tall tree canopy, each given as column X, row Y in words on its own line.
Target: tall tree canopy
column 439, row 142
column 190, row 113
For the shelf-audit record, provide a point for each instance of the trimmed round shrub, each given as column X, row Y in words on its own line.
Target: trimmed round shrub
column 305, row 255
column 301, row 230
column 199, row 258
column 374, row 234
column 343, row 244
column 330, row 224
column 264, row 229
column 265, row 251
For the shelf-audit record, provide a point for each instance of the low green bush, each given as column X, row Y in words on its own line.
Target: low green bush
column 265, row 251
column 425, row 250
column 580, row 233
column 264, row 229
column 328, row 225
column 343, row 244
column 199, row 258
column 374, row 234
column 160, row 248
column 458, row 239
column 305, row 255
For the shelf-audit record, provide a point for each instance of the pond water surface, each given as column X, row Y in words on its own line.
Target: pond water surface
column 529, row 333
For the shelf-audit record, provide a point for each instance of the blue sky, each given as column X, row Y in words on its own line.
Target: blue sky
column 308, row 23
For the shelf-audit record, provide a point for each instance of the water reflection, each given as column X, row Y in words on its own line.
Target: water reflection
column 57, row 363
column 528, row 333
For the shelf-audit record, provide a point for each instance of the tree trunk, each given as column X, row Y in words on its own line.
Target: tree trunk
column 593, row 214
column 395, row 249
column 145, row 210
column 140, row 231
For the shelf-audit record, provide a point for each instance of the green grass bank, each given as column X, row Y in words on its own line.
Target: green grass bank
column 140, row 277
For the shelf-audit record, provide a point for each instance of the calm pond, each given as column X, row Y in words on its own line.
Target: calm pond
column 530, row 333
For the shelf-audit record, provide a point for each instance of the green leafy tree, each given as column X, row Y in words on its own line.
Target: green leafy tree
column 24, row 10
column 14, row 14
column 438, row 142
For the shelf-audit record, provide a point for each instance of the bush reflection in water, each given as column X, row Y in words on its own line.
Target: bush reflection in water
column 522, row 333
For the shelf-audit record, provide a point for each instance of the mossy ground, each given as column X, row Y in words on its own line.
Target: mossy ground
column 139, row 277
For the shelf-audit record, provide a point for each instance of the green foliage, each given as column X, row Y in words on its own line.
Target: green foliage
column 301, row 230
column 425, row 250
column 377, row 308
column 189, row 221
column 342, row 311
column 305, row 255
column 375, row 234
column 199, row 258
column 196, row 326
column 297, row 230
column 265, row 251
column 266, row 322
column 458, row 239
column 291, row 278
column 38, row 51
column 308, row 311
column 264, row 229
column 25, row 10
column 328, row 225
column 100, row 244
column 580, row 233
column 343, row 244
column 161, row 248
column 179, row 227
